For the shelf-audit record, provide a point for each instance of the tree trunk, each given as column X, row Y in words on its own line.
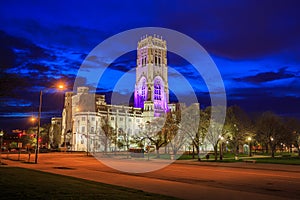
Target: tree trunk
column 273, row 149
column 193, row 151
column 198, row 153
column 216, row 152
column 105, row 146
column 157, row 152
column 236, row 147
column 267, row 148
column 221, row 151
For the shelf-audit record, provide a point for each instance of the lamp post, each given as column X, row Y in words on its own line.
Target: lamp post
column 87, row 135
column 221, row 147
column 33, row 120
column 1, row 135
column 249, row 145
column 273, row 148
column 149, row 143
column 193, row 147
column 60, row 86
column 38, row 130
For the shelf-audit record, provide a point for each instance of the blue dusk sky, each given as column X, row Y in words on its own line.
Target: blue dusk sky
column 255, row 44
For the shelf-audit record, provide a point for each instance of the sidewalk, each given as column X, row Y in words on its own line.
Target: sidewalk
column 258, row 166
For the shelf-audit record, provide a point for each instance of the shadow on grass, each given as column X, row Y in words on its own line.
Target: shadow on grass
column 30, row 184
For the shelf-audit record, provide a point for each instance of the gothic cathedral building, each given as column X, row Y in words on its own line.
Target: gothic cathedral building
column 81, row 125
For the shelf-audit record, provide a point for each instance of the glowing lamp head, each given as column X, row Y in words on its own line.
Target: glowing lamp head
column 249, row 138
column 61, row 86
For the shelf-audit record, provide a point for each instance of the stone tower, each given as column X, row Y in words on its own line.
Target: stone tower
column 151, row 86
column 67, row 119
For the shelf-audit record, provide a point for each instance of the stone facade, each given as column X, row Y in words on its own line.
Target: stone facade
column 151, row 87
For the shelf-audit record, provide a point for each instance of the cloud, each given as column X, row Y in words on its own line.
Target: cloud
column 236, row 29
column 267, row 76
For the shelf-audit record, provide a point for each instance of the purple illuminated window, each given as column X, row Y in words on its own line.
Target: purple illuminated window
column 157, row 90
column 143, row 92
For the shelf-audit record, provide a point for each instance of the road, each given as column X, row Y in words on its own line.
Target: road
column 182, row 179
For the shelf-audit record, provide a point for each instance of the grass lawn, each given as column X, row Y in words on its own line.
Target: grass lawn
column 279, row 160
column 229, row 156
column 19, row 183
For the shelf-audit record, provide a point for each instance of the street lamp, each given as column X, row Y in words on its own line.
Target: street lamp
column 249, row 145
column 32, row 119
column 60, row 86
column 1, row 135
column 38, row 129
column 221, row 146
column 149, row 143
column 193, row 146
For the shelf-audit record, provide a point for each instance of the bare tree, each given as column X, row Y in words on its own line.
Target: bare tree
column 108, row 133
column 55, row 133
column 153, row 131
column 125, row 139
column 270, row 130
column 175, row 137
column 216, row 132
column 238, row 125
column 45, row 134
column 293, row 127
column 193, row 125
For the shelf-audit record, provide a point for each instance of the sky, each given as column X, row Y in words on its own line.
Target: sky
column 255, row 44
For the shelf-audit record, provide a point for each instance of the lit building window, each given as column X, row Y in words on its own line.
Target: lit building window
column 157, row 90
column 144, row 91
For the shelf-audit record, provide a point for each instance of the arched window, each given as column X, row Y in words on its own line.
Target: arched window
column 144, row 91
column 157, row 90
